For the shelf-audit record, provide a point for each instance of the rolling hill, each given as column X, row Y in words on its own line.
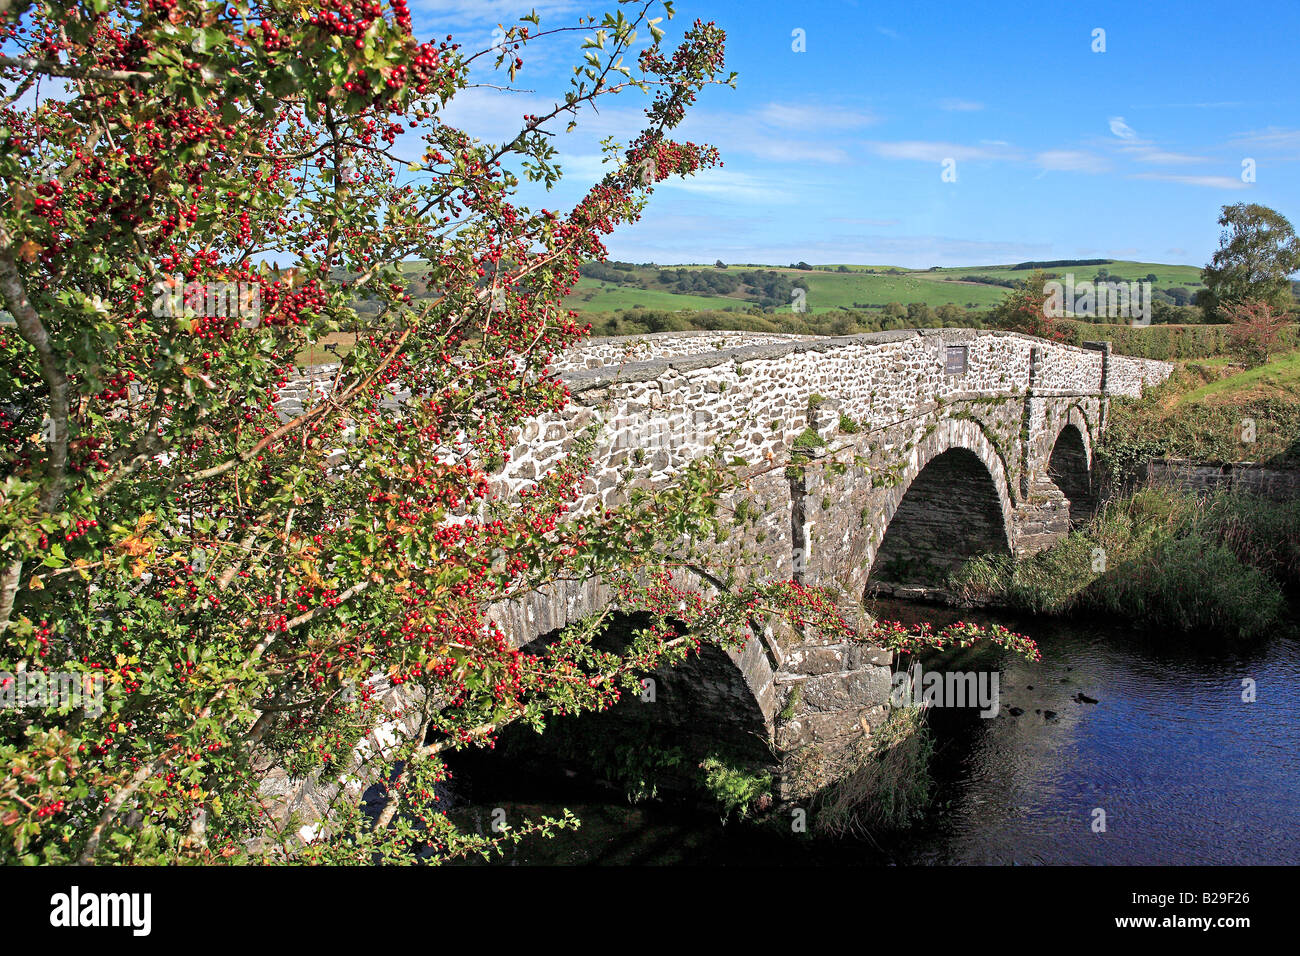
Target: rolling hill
column 621, row 286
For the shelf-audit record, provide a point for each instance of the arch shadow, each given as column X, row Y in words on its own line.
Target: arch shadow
column 646, row 744
column 1069, row 467
column 954, row 509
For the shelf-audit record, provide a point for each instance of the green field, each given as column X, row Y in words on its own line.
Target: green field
column 591, row 295
column 862, row 287
column 838, row 290
column 1165, row 273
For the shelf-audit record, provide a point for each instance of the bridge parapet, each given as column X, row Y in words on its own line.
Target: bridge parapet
column 658, row 414
column 887, row 403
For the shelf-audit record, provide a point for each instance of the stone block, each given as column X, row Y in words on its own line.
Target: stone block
column 830, row 693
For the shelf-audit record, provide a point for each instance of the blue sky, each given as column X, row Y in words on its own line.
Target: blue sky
column 836, row 154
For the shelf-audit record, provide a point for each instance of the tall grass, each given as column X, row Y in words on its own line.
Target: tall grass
column 1163, row 558
column 889, row 784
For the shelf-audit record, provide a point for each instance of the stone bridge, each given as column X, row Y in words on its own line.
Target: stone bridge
column 908, row 452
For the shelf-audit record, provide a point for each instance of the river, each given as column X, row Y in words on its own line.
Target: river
column 1184, row 770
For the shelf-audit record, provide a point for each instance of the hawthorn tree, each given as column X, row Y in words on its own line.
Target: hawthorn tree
column 1025, row 309
column 1257, row 329
column 238, row 581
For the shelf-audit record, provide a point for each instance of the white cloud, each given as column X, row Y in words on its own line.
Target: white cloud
column 1150, row 154
column 1214, row 182
column 1072, row 160
column 794, row 152
column 1283, row 143
column 728, row 184
column 930, row 151
column 588, row 168
column 492, row 114
column 796, row 116
column 496, row 115
column 1139, row 150
column 1121, row 129
column 960, row 106
column 780, row 132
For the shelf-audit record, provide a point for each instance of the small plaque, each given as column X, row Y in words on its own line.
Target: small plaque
column 955, row 359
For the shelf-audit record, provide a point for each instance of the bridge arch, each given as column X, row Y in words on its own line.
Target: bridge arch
column 734, row 688
column 705, row 706
column 953, row 502
column 1069, row 464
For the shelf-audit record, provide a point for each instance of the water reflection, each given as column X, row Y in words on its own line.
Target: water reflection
column 1185, row 771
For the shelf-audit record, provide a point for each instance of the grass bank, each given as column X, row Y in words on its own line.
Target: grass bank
column 1161, row 558
column 1212, row 410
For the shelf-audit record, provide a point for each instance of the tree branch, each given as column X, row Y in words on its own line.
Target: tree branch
column 73, row 71
column 33, row 332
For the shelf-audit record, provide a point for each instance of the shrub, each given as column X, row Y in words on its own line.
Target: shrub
column 1161, row 558
column 1257, row 329
column 738, row 790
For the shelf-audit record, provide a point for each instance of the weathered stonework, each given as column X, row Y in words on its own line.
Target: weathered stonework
column 901, row 464
column 1266, row 481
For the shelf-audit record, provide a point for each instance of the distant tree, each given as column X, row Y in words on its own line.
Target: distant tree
column 801, row 265
column 843, row 324
column 895, row 310
column 1163, row 311
column 719, row 264
column 919, row 314
column 1256, row 329
column 1152, row 278
column 950, row 314
column 842, row 269
column 1258, row 251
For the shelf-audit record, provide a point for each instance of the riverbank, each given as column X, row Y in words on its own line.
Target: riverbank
column 1219, row 565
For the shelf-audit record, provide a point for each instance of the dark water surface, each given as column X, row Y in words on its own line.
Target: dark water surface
column 1185, row 771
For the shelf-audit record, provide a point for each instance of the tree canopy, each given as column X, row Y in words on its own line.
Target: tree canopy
column 1258, row 252
column 238, row 577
